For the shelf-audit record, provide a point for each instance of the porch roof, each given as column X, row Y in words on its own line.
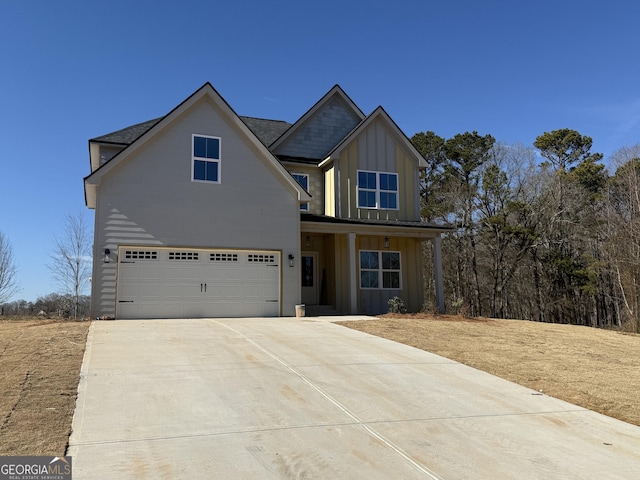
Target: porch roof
column 313, row 223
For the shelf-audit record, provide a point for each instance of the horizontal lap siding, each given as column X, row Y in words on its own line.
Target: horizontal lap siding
column 150, row 200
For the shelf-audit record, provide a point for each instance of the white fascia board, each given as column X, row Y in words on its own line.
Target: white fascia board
column 90, row 195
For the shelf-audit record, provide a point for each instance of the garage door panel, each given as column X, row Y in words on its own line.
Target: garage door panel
column 173, row 283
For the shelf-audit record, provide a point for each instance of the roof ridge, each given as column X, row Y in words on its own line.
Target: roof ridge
column 128, row 135
column 262, row 118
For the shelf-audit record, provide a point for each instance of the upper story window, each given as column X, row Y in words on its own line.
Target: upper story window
column 205, row 159
column 377, row 190
column 303, row 180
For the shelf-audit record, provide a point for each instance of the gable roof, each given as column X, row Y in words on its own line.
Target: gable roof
column 331, row 132
column 128, row 135
column 207, row 91
column 266, row 130
column 378, row 113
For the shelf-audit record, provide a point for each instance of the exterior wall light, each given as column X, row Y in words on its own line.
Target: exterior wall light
column 307, row 241
column 107, row 255
column 290, row 260
column 386, row 242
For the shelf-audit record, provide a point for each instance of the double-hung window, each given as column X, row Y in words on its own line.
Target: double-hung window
column 380, row 270
column 303, row 180
column 377, row 190
column 205, row 162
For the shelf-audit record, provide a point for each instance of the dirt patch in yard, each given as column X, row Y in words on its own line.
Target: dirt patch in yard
column 40, row 364
column 596, row 369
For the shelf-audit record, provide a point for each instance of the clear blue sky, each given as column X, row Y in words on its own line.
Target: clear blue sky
column 73, row 70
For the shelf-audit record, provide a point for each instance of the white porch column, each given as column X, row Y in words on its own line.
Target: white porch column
column 437, row 273
column 353, row 274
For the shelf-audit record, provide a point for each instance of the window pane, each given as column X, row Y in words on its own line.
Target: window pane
column 369, row 260
column 384, row 181
column 212, row 171
column 303, row 180
column 390, row 261
column 366, row 199
column 389, row 181
column 305, row 207
column 200, row 147
column 388, row 200
column 307, row 271
column 369, row 279
column 371, row 180
column 362, row 179
column 213, row 148
column 367, row 180
column 199, row 170
column 393, row 182
column 390, row 279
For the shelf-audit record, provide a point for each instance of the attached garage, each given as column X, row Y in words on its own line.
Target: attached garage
column 190, row 283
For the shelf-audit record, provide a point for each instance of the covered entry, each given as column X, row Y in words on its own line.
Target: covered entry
column 181, row 283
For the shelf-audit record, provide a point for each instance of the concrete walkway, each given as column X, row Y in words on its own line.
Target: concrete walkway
column 304, row 398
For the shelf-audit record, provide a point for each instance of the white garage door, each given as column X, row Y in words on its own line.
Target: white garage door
column 190, row 283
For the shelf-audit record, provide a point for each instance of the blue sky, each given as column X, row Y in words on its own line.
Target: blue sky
column 74, row 70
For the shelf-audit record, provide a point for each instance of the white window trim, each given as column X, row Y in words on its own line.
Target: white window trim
column 212, row 160
column 380, row 270
column 377, row 190
column 302, row 209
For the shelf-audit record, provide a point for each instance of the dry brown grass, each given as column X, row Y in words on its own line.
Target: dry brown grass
column 596, row 369
column 40, row 362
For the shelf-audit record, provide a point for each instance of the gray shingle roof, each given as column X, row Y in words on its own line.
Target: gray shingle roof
column 266, row 130
column 128, row 135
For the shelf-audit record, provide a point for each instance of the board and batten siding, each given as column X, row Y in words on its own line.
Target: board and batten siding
column 412, row 291
column 376, row 149
column 149, row 199
column 375, row 301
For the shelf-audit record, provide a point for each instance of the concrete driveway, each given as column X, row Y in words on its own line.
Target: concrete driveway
column 307, row 399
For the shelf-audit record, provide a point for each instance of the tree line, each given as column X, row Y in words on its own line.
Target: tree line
column 70, row 268
column 51, row 305
column 556, row 240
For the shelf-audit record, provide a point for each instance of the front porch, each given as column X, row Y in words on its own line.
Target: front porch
column 355, row 267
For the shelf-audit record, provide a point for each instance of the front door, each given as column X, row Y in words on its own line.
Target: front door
column 309, row 278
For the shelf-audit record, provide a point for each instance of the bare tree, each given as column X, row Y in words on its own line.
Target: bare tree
column 8, row 285
column 623, row 233
column 71, row 258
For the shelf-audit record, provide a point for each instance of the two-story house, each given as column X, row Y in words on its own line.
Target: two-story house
column 204, row 213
